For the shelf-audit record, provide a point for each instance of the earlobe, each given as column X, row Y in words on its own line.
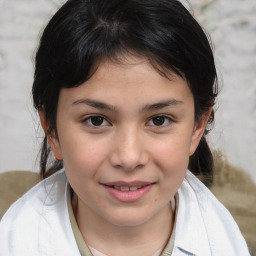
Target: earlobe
column 51, row 138
column 199, row 132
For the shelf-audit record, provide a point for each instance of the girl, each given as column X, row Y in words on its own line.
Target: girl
column 125, row 92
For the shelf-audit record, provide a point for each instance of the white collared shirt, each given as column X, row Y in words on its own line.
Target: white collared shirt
column 39, row 224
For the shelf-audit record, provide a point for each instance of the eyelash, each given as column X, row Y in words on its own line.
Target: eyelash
column 88, row 120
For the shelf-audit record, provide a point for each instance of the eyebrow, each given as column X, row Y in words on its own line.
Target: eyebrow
column 162, row 104
column 95, row 104
column 148, row 107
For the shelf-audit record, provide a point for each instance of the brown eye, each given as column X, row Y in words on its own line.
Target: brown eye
column 160, row 120
column 96, row 121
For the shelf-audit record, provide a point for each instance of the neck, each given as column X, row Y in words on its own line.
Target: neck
column 143, row 239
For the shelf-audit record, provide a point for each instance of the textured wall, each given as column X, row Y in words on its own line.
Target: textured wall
column 232, row 25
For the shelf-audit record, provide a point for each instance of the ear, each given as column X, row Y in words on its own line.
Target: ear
column 52, row 140
column 198, row 131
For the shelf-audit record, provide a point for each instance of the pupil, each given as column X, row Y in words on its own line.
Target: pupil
column 97, row 120
column 159, row 120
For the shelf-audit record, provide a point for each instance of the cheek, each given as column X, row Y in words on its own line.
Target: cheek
column 172, row 155
column 82, row 155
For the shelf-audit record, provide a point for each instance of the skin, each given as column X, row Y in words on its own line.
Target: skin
column 147, row 133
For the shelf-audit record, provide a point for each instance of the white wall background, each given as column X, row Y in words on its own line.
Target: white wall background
column 232, row 25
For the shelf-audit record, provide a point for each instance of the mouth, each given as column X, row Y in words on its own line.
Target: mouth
column 126, row 188
column 128, row 192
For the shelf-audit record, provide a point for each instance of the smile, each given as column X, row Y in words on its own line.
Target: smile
column 128, row 192
column 127, row 188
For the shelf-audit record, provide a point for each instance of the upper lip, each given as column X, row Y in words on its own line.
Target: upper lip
column 127, row 184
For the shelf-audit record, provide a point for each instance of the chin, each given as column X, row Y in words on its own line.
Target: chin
column 128, row 219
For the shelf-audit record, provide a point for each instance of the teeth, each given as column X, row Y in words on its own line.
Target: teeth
column 127, row 188
column 124, row 188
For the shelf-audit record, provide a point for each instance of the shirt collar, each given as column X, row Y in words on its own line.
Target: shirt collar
column 191, row 236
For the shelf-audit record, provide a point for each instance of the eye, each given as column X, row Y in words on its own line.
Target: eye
column 159, row 120
column 96, row 121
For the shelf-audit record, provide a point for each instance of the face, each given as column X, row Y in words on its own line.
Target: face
column 125, row 137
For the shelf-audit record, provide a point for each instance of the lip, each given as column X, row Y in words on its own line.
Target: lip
column 130, row 195
column 135, row 183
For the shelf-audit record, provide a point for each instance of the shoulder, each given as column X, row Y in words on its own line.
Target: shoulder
column 31, row 226
column 36, row 198
column 220, row 227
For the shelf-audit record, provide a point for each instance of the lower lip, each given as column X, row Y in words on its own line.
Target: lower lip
column 128, row 196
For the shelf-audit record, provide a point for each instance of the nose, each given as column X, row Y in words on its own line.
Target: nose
column 129, row 151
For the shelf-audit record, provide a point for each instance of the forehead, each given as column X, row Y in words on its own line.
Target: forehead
column 130, row 80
